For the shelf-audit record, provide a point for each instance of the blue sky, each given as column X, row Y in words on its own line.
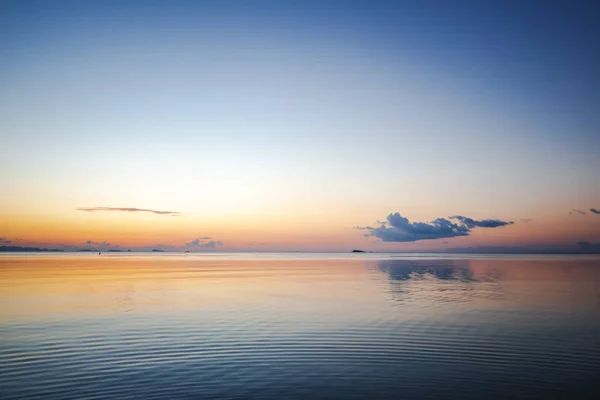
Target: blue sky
column 312, row 115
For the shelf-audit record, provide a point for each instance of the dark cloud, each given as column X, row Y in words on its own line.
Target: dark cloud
column 399, row 229
column 575, row 211
column 5, row 241
column 526, row 220
column 129, row 209
column 595, row 210
column 484, row 223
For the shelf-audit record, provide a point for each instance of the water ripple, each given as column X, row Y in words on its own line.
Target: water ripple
column 272, row 329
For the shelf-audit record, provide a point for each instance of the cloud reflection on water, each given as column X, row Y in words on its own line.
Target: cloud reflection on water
column 441, row 281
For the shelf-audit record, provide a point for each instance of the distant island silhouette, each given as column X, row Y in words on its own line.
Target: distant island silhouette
column 20, row 248
column 358, row 251
column 157, row 251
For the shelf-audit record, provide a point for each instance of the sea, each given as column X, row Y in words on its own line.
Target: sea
column 299, row 326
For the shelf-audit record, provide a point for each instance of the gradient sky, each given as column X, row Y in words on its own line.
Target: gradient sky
column 283, row 125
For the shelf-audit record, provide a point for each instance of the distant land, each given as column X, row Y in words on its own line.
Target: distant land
column 20, row 248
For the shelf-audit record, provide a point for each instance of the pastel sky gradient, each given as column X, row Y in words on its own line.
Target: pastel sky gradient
column 283, row 125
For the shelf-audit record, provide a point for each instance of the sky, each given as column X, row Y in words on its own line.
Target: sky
column 300, row 125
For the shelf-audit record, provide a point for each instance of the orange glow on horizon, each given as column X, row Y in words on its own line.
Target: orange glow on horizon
column 301, row 231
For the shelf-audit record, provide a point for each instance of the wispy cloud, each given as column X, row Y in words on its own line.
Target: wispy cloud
column 397, row 228
column 526, row 220
column 484, row 223
column 103, row 243
column 595, row 210
column 575, row 211
column 129, row 209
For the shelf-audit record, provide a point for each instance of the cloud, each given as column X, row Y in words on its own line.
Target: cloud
column 595, row 210
column 203, row 242
column 200, row 243
column 104, row 243
column 484, row 223
column 526, row 220
column 397, row 228
column 5, row 240
column 129, row 209
column 575, row 211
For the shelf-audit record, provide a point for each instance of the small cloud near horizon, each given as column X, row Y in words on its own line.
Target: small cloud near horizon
column 575, row 211
column 202, row 243
column 526, row 220
column 595, row 210
column 129, row 209
column 397, row 228
column 197, row 244
column 104, row 243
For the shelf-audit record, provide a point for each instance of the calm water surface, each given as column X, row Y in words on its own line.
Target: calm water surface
column 298, row 326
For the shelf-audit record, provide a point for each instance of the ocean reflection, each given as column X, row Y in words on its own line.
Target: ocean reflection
column 547, row 283
column 187, row 328
column 403, row 270
column 441, row 281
